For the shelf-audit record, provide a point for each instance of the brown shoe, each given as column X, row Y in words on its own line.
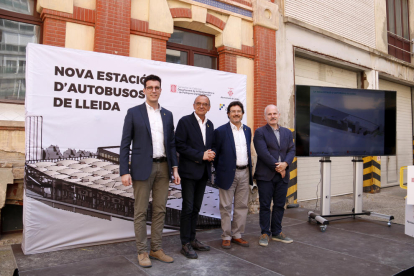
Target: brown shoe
column 241, row 242
column 143, row 260
column 160, row 256
column 226, row 244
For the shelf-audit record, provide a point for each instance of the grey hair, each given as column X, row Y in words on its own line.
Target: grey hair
column 278, row 111
column 202, row 95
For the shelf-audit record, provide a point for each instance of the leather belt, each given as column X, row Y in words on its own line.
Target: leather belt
column 159, row 159
column 241, row 167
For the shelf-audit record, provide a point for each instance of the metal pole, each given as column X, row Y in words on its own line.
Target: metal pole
column 358, row 183
column 326, row 186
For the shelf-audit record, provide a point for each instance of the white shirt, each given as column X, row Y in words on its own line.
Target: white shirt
column 240, row 143
column 157, row 131
column 202, row 126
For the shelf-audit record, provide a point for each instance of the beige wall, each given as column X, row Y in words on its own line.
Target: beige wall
column 221, row 16
column 198, row 14
column 188, row 23
column 159, row 17
column 245, row 66
column 247, row 33
column 12, row 112
column 86, row 4
column 140, row 47
column 178, row 4
column 61, row 5
column 140, row 9
column 79, row 36
column 231, row 35
column 381, row 26
column 12, row 141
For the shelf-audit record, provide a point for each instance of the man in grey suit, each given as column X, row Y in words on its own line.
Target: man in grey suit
column 150, row 128
column 275, row 152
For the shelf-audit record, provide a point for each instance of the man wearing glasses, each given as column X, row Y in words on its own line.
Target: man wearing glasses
column 194, row 140
column 150, row 128
column 233, row 174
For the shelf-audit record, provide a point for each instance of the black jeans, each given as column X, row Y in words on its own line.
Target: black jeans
column 275, row 189
column 192, row 193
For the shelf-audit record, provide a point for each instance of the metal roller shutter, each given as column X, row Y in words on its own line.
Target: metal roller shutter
column 390, row 165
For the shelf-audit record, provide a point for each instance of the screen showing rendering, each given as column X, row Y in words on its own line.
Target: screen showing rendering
column 345, row 122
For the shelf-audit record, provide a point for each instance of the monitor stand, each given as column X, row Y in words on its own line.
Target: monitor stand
column 326, row 186
column 358, row 168
column 358, row 165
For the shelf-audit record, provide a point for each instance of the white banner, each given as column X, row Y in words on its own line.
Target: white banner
column 410, row 185
column 409, row 219
column 76, row 102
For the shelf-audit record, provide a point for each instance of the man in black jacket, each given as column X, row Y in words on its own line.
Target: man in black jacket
column 194, row 139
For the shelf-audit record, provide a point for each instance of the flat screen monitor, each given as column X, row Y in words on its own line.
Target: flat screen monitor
column 333, row 121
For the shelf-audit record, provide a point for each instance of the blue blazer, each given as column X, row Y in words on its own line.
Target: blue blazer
column 190, row 145
column 225, row 161
column 137, row 129
column 268, row 152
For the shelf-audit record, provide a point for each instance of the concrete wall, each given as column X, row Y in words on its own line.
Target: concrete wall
column 327, row 49
column 298, row 40
column 381, row 26
column 12, row 149
column 354, row 20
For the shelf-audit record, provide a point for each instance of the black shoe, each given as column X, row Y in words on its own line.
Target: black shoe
column 188, row 251
column 197, row 245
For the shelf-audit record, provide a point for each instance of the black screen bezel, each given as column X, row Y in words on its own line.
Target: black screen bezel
column 302, row 121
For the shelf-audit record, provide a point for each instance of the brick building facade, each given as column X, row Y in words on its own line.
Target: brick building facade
column 234, row 36
column 277, row 44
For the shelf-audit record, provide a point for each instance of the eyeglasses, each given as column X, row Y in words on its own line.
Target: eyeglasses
column 198, row 104
column 235, row 111
column 151, row 88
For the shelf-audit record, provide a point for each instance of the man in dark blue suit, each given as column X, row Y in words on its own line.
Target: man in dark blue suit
column 150, row 128
column 233, row 166
column 275, row 152
column 194, row 140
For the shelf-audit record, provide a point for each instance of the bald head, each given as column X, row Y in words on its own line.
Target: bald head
column 201, row 106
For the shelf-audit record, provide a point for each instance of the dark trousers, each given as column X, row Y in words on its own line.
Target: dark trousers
column 192, row 193
column 275, row 189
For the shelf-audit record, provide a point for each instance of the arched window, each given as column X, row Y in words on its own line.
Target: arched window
column 192, row 48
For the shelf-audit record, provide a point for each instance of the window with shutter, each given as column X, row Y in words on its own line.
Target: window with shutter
column 398, row 36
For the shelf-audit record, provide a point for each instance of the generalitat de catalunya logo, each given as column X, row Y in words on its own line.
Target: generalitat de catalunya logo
column 221, row 106
column 173, row 88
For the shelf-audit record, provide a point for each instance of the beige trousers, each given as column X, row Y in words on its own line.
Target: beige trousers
column 158, row 183
column 239, row 191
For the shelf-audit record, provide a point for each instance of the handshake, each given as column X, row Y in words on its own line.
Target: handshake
column 209, row 155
